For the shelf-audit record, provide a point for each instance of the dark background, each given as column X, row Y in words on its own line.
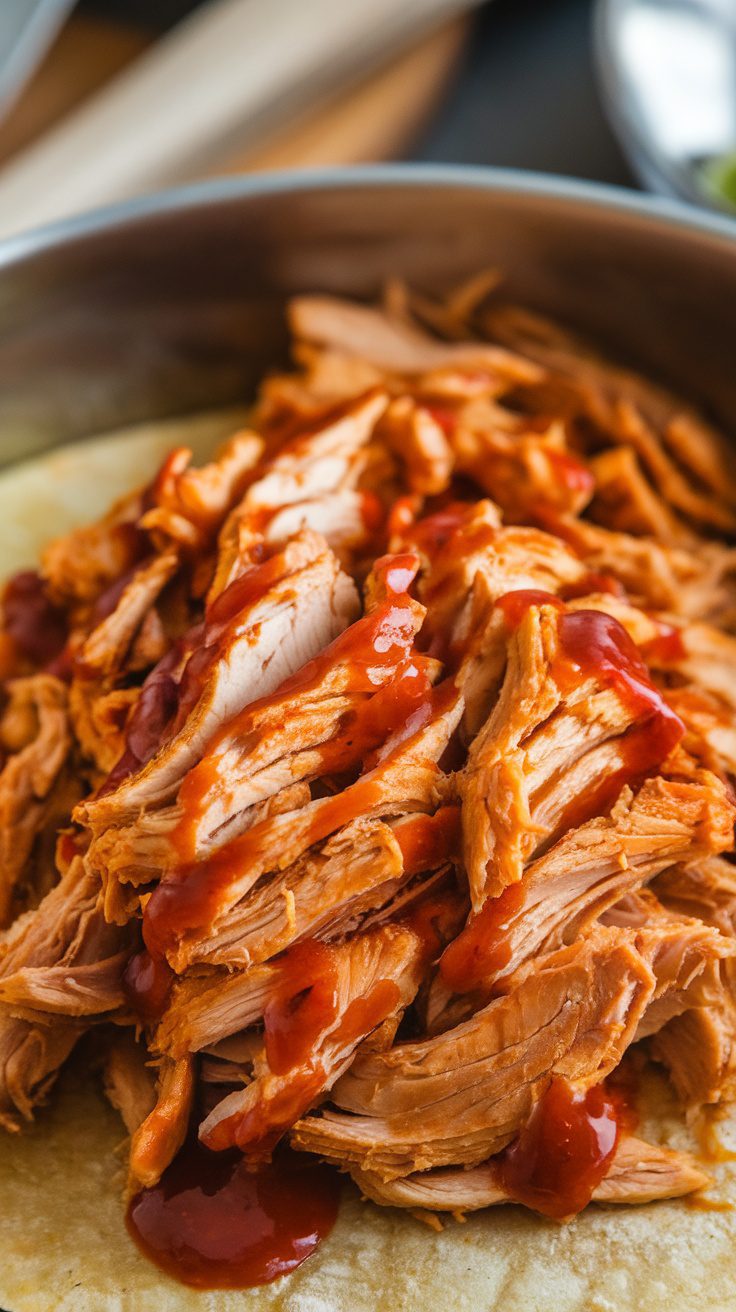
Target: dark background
column 524, row 95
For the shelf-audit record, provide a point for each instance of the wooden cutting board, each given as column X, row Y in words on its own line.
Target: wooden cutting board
column 378, row 120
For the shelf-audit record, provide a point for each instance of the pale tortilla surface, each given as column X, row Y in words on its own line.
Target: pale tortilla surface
column 63, row 1242
column 54, row 493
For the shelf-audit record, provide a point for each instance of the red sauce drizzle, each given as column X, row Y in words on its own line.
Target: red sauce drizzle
column 564, row 1150
column 444, row 417
column 36, row 626
column 428, row 840
column 372, row 513
column 514, row 605
column 302, row 1005
column 594, row 644
column 213, row 1223
column 169, row 692
column 188, row 896
column 574, row 476
column 377, row 652
column 667, row 647
column 147, row 984
column 436, row 917
column 483, row 947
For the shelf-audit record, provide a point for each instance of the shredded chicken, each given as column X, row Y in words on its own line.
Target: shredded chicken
column 372, row 787
column 34, row 732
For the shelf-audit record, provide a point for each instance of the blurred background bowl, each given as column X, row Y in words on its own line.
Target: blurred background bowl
column 175, row 302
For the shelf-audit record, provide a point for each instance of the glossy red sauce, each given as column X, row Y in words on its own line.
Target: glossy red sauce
column 436, row 532
column 174, row 685
column 36, row 626
column 189, row 895
column 482, row 948
column 213, row 1223
column 427, row 841
column 364, row 1013
column 244, row 590
column 564, row 1150
column 571, row 473
column 594, row 643
column 303, row 1004
column 147, row 983
column 257, row 1129
column 302, row 1009
column 667, row 647
column 372, row 513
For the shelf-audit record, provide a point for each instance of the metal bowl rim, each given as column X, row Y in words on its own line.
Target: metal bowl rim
column 190, row 199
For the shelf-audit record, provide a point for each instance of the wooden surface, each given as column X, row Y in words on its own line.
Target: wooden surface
column 377, row 120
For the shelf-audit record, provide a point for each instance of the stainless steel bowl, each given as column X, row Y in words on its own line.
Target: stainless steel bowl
column 175, row 302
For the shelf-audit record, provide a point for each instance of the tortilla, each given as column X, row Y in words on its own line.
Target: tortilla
column 43, row 498
column 64, row 1245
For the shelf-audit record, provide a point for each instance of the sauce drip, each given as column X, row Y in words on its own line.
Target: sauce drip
column 302, row 1009
column 594, row 644
column 564, row 1150
column 514, row 605
column 147, row 983
column 426, row 841
column 189, row 895
column 213, row 1223
column 302, row 1004
column 483, row 947
column 36, row 626
column 174, row 685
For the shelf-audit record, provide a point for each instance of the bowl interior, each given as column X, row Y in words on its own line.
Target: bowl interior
column 178, row 304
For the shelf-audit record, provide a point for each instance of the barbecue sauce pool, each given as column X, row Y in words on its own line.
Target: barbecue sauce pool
column 212, row 1223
